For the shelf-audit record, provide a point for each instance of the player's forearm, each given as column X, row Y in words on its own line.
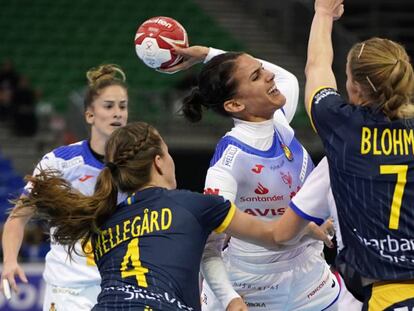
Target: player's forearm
column 320, row 50
column 13, row 234
column 214, row 270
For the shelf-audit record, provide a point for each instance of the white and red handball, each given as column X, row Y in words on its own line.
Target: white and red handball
column 154, row 42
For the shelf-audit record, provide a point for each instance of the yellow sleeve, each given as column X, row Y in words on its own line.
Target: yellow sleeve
column 227, row 220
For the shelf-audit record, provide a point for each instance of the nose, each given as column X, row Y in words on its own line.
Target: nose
column 117, row 112
column 270, row 76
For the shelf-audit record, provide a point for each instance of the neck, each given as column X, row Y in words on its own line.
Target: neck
column 154, row 185
column 98, row 145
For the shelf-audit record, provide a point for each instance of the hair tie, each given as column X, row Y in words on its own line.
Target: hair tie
column 112, row 167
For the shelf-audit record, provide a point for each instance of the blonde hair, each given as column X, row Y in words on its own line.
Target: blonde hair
column 101, row 77
column 383, row 70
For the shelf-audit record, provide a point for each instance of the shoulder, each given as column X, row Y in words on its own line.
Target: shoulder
column 70, row 151
column 329, row 110
column 190, row 196
column 226, row 152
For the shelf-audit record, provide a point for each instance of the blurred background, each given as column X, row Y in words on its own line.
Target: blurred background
column 47, row 46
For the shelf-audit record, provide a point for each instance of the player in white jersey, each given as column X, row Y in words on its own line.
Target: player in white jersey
column 260, row 166
column 73, row 284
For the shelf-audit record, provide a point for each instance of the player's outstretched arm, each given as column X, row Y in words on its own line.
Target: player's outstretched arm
column 192, row 55
column 13, row 234
column 269, row 234
column 318, row 69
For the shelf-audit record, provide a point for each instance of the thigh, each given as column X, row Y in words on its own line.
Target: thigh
column 390, row 296
column 315, row 286
column 69, row 299
column 261, row 292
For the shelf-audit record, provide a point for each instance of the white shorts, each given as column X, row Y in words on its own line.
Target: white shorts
column 70, row 299
column 301, row 283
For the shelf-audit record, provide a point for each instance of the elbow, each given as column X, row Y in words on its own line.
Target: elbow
column 280, row 237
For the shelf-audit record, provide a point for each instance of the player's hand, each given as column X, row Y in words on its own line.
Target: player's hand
column 237, row 304
column 324, row 233
column 192, row 55
column 334, row 8
column 10, row 270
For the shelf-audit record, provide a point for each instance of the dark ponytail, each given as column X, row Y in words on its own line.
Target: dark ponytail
column 192, row 106
column 215, row 86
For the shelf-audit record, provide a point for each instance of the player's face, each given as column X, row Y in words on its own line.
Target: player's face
column 108, row 111
column 257, row 90
column 168, row 167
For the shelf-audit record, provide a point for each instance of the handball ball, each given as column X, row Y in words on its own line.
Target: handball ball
column 154, row 39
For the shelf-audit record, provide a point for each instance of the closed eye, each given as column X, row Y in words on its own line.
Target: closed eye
column 256, row 74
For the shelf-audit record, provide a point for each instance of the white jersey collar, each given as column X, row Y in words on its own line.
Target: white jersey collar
column 258, row 135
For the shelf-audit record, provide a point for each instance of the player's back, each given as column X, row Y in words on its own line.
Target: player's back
column 371, row 162
column 149, row 252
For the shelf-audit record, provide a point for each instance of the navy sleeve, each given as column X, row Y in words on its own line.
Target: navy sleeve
column 213, row 212
column 329, row 111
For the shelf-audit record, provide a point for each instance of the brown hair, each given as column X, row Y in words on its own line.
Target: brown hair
column 130, row 152
column 100, row 78
column 382, row 68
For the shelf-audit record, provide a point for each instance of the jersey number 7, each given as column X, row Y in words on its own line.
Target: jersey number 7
column 134, row 268
column 401, row 171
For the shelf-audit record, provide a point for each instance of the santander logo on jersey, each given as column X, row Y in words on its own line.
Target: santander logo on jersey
column 261, row 191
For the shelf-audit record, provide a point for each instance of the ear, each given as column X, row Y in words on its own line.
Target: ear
column 233, row 106
column 89, row 117
column 158, row 164
column 357, row 89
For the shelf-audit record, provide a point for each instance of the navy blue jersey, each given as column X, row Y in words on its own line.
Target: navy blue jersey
column 148, row 253
column 371, row 165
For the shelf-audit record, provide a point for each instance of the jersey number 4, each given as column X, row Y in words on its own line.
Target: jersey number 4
column 401, row 171
column 131, row 265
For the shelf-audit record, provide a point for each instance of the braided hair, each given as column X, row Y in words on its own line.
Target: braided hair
column 130, row 152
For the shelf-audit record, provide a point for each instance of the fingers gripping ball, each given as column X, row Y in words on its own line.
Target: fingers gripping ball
column 154, row 42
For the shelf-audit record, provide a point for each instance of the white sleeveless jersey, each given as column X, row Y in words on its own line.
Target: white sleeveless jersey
column 261, row 182
column 78, row 166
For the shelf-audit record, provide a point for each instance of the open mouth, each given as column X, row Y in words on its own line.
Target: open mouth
column 273, row 91
column 116, row 124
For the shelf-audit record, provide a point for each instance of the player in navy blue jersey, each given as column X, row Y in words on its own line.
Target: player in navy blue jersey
column 369, row 143
column 147, row 248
